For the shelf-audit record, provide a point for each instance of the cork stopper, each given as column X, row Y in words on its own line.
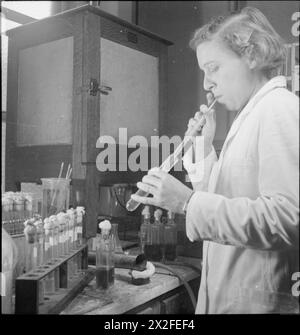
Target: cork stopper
column 105, row 227
column 158, row 214
column 30, row 232
column 146, row 211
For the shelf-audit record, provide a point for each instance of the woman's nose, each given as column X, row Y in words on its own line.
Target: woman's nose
column 207, row 83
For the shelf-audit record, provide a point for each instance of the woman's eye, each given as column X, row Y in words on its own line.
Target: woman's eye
column 213, row 68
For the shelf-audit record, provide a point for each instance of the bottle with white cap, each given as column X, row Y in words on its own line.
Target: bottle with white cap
column 105, row 270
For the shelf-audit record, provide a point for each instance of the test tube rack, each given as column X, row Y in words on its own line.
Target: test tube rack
column 27, row 299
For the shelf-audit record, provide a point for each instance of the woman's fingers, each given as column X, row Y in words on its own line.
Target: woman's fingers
column 151, row 180
column 146, row 187
column 210, row 98
column 144, row 200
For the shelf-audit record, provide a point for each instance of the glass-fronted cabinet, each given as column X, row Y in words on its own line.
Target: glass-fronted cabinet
column 72, row 78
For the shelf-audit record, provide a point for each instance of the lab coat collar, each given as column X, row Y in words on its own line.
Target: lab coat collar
column 278, row 81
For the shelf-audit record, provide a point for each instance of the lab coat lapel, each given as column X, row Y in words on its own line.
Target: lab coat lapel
column 278, row 81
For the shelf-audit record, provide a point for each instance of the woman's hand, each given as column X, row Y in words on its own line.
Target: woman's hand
column 168, row 192
column 209, row 128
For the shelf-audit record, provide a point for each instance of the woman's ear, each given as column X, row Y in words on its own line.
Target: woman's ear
column 250, row 57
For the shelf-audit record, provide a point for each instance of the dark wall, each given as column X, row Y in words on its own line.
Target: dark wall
column 279, row 13
column 176, row 21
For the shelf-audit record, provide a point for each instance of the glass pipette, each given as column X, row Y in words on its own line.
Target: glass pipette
column 173, row 158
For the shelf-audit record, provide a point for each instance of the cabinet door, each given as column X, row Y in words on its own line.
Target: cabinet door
column 45, row 83
column 133, row 103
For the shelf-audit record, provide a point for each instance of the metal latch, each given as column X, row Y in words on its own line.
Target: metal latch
column 94, row 88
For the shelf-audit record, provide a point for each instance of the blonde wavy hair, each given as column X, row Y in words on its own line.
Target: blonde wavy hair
column 247, row 33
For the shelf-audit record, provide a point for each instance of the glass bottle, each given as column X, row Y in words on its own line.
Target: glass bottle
column 170, row 238
column 115, row 236
column 154, row 250
column 145, row 230
column 105, row 270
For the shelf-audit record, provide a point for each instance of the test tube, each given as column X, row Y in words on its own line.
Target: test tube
column 40, row 234
column 31, row 246
column 49, row 280
column 62, row 229
column 55, row 225
column 56, row 248
column 71, row 267
column 80, row 212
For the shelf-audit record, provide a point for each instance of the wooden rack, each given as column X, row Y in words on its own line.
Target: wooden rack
column 28, row 298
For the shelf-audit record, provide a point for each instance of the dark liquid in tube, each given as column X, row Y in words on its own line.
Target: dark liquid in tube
column 104, row 277
column 153, row 252
column 170, row 252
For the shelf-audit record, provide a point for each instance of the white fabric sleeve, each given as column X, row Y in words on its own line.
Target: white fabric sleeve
column 271, row 221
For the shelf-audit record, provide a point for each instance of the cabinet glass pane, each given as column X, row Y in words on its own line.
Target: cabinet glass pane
column 45, row 90
column 134, row 100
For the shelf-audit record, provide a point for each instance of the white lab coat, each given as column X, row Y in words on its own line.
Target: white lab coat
column 246, row 209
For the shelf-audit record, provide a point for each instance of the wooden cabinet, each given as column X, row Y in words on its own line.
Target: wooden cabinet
column 73, row 77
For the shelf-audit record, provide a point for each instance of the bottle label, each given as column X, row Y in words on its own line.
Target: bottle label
column 47, row 246
column 61, row 239
column 35, row 252
column 51, row 242
column 79, row 231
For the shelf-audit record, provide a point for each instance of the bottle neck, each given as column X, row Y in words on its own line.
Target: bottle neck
column 146, row 219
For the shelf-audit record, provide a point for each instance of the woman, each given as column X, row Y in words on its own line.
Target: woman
column 246, row 207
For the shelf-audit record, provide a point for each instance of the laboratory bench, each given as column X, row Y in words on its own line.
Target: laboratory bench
column 164, row 294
